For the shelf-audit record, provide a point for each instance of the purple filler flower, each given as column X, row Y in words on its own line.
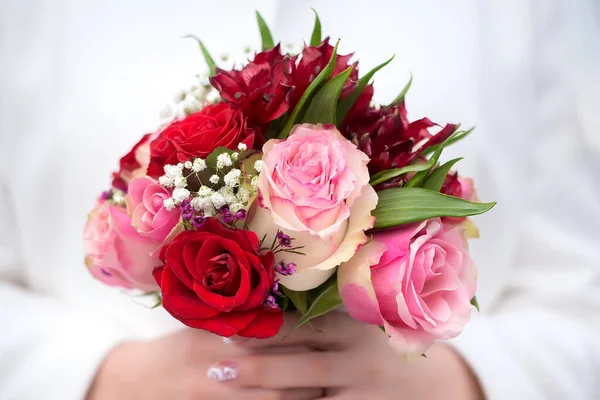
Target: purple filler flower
column 270, row 302
column 285, row 269
column 198, row 221
column 284, row 240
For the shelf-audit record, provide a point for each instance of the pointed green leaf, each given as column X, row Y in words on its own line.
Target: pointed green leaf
column 346, row 104
column 404, row 205
column 383, row 176
column 308, row 93
column 458, row 135
column 474, row 303
column 402, row 94
column 298, row 299
column 265, row 33
column 323, row 106
column 419, row 178
column 315, row 38
column 210, row 62
column 325, row 302
column 438, row 176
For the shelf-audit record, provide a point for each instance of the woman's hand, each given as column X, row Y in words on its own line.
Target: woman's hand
column 355, row 361
column 182, row 366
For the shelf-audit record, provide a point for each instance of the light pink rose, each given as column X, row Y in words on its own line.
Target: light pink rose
column 416, row 281
column 145, row 205
column 314, row 186
column 115, row 252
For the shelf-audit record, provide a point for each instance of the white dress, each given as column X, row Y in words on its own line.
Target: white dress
column 81, row 80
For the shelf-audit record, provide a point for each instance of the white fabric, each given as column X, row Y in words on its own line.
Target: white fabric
column 81, row 80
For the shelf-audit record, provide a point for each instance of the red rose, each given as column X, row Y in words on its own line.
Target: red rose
column 197, row 135
column 217, row 279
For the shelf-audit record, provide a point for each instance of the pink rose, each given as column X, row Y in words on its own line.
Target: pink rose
column 416, row 281
column 115, row 252
column 145, row 205
column 314, row 186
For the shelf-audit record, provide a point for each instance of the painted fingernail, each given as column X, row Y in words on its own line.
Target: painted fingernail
column 222, row 372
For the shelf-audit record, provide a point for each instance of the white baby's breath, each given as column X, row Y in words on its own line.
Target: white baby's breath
column 180, row 182
column 198, row 165
column 180, row 194
column 166, row 181
column 188, row 165
column 254, row 182
column 228, row 195
column 169, row 204
column 258, row 165
column 205, row 191
column 243, row 195
column 218, row 200
column 214, row 179
column 223, row 160
column 232, row 178
column 242, row 147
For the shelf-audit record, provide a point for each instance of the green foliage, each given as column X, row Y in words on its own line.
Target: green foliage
column 265, row 33
column 327, row 300
column 308, row 93
column 437, row 177
column 400, row 97
column 474, row 303
column 315, row 38
column 210, row 62
column 298, row 299
column 346, row 104
column 322, row 108
column 404, row 205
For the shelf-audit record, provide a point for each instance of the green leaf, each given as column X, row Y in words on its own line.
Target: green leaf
column 388, row 174
column 308, row 93
column 458, row 135
column 404, row 205
column 210, row 62
column 325, row 302
column 298, row 299
column 323, row 106
column 400, row 97
column 438, row 176
column 265, row 33
column 474, row 303
column 315, row 38
column 346, row 104
column 419, row 178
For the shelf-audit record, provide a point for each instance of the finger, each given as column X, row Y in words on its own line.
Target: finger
column 288, row 394
column 284, row 371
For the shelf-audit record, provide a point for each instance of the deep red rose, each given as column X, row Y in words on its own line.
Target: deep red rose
column 260, row 89
column 132, row 161
column 198, row 134
column 216, row 278
column 389, row 138
column 312, row 62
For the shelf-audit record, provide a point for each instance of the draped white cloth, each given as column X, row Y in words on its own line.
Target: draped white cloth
column 81, row 80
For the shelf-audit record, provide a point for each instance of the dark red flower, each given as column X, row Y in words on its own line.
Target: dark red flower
column 216, row 278
column 198, row 134
column 131, row 162
column 389, row 139
column 312, row 61
column 260, row 89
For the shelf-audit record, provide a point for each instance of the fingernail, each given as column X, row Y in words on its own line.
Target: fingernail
column 222, row 372
column 228, row 340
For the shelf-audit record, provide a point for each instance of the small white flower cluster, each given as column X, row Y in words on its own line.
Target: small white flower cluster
column 209, row 199
column 189, row 101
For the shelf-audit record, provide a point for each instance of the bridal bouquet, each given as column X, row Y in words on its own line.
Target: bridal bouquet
column 281, row 186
